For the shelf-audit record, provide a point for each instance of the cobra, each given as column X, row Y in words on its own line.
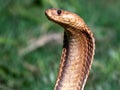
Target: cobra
column 78, row 50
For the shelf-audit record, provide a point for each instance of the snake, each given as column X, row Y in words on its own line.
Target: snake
column 77, row 52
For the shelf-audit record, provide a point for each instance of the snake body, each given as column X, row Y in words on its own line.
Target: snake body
column 78, row 50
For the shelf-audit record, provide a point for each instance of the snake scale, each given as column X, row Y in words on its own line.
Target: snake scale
column 78, row 50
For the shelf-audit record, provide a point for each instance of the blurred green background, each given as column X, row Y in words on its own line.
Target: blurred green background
column 28, row 62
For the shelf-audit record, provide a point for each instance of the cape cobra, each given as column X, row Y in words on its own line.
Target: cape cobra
column 78, row 50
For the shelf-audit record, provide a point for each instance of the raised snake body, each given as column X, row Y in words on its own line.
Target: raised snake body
column 78, row 50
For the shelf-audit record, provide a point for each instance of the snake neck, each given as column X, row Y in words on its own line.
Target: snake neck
column 76, row 60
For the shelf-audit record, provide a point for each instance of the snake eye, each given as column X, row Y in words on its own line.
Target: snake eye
column 59, row 12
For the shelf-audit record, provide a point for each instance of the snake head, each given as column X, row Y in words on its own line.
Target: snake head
column 64, row 18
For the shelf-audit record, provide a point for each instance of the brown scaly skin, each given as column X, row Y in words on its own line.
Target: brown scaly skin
column 78, row 50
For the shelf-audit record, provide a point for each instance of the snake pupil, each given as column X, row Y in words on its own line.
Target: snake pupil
column 59, row 12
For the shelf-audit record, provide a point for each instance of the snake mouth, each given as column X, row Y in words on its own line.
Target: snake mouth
column 46, row 13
